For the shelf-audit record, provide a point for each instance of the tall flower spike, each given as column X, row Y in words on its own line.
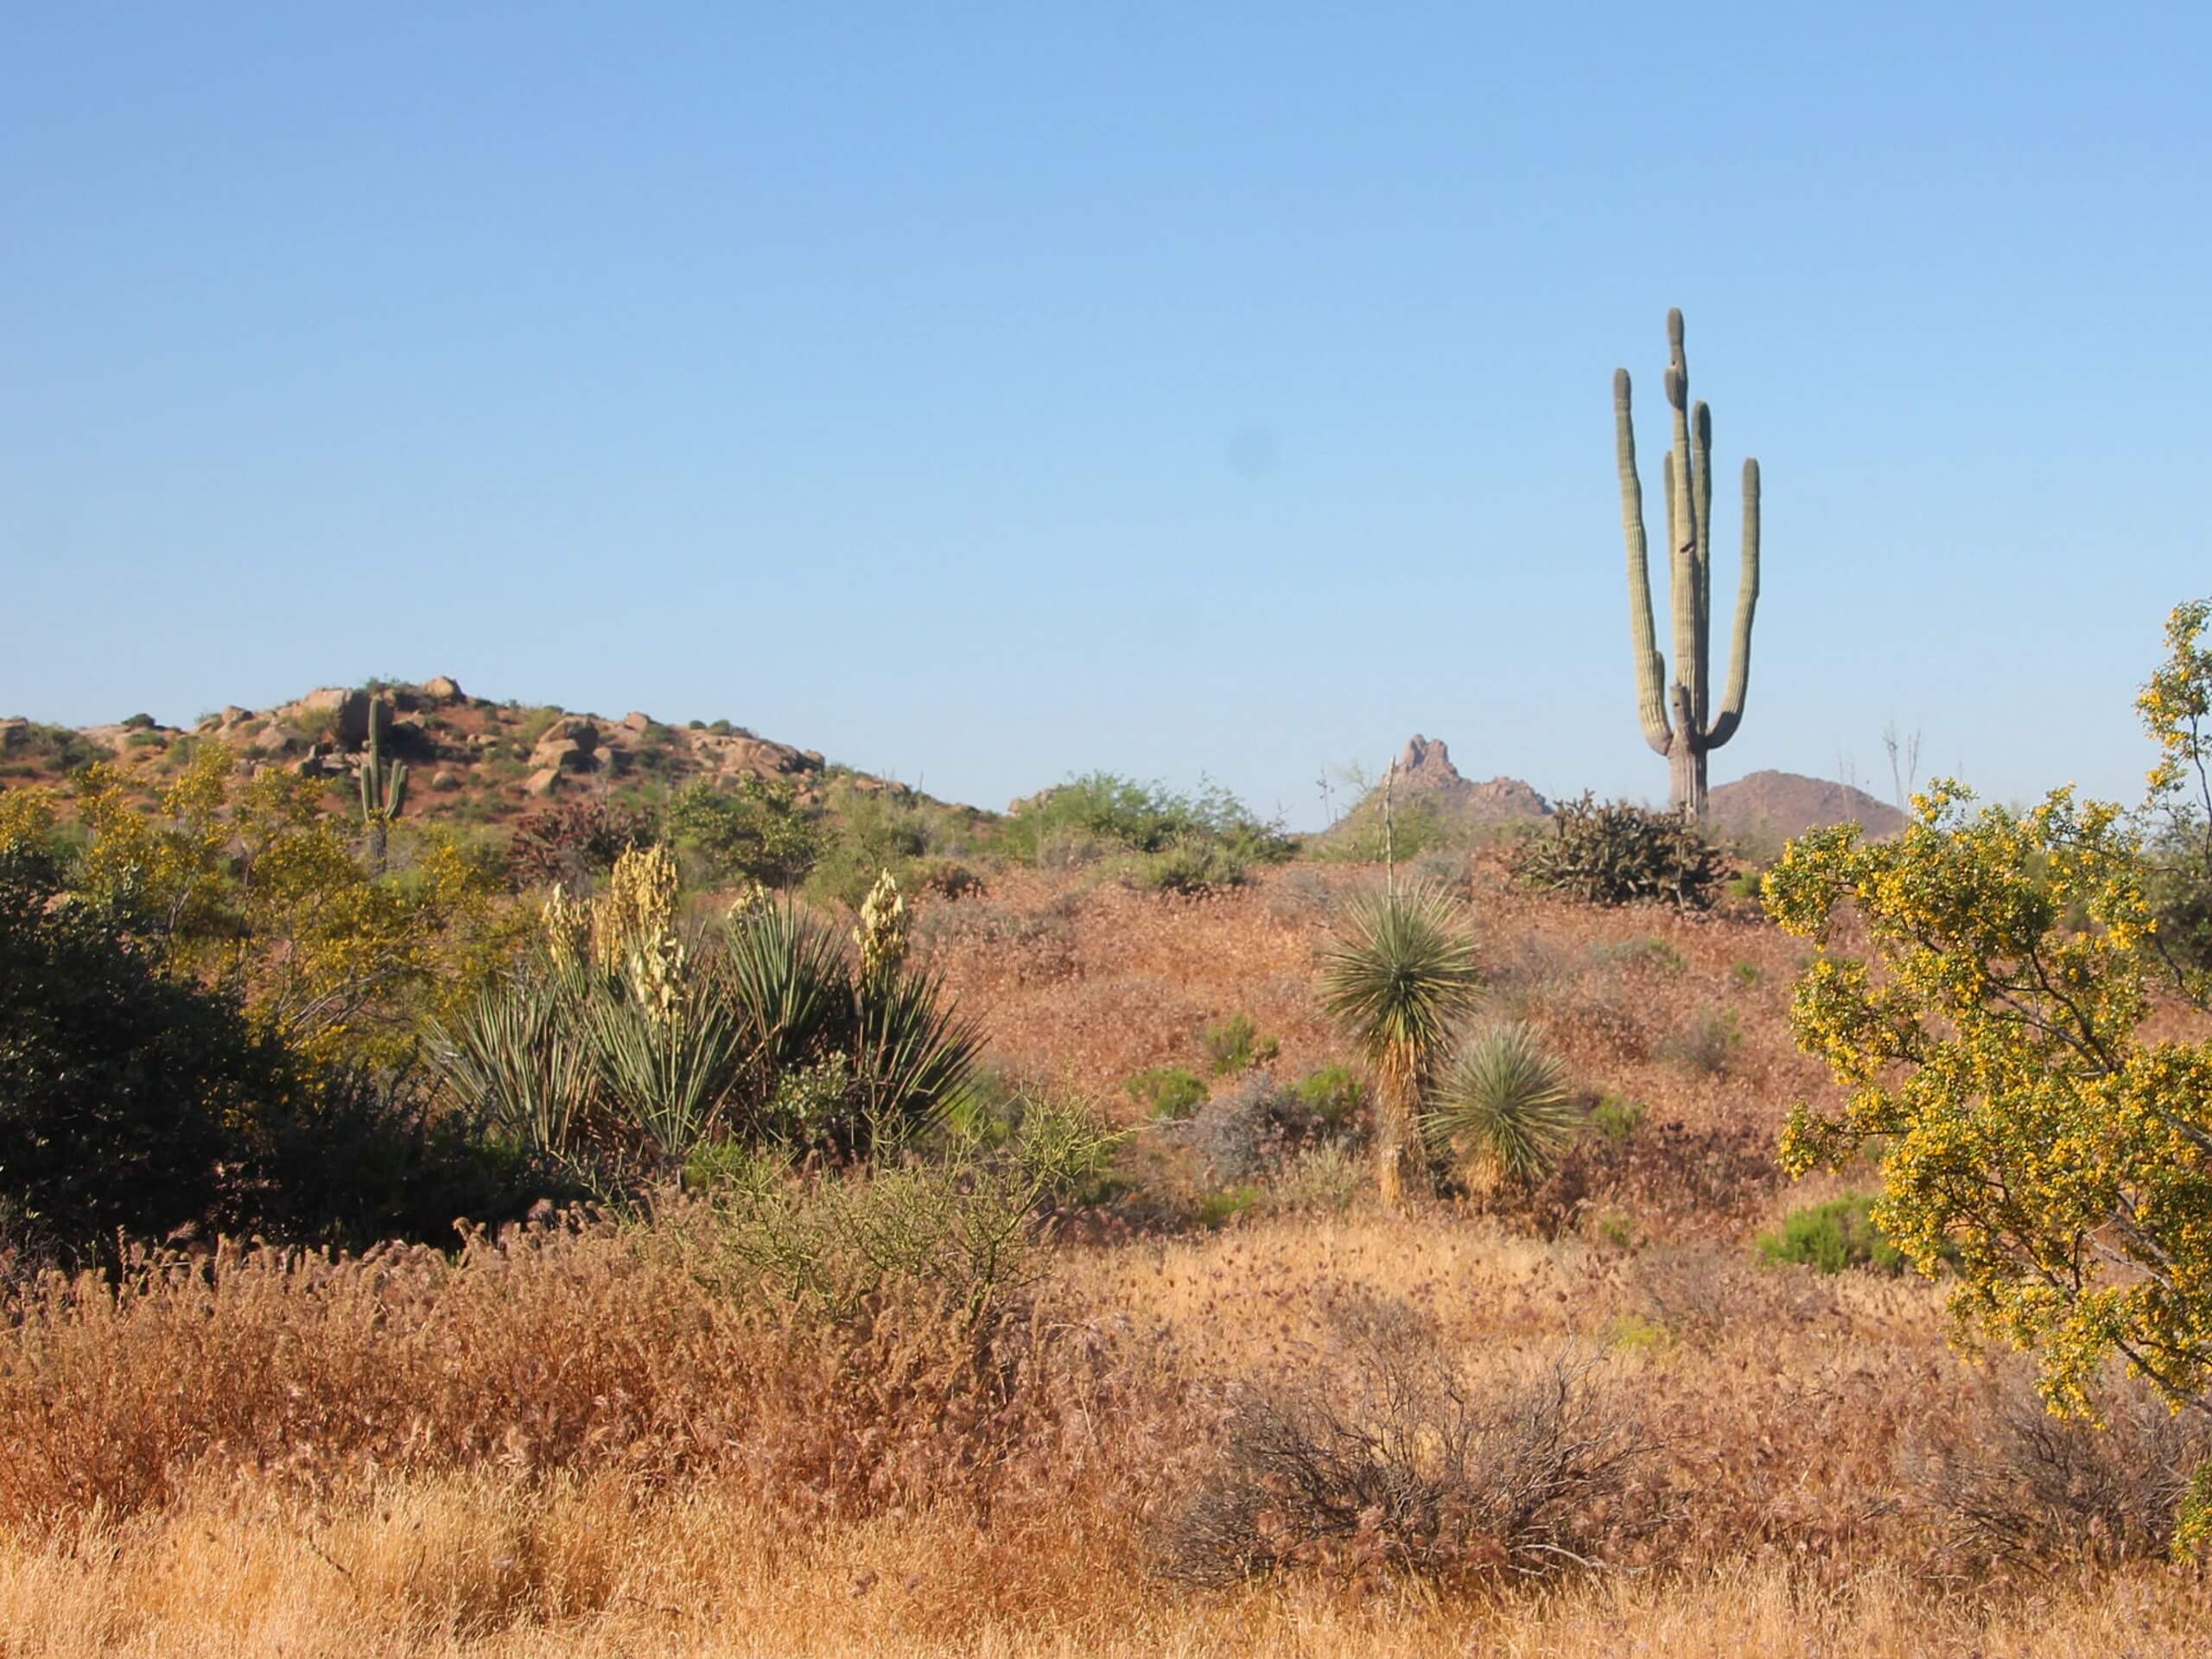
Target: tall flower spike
column 881, row 935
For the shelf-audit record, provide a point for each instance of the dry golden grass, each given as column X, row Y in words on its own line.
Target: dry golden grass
column 481, row 1567
column 568, row 1444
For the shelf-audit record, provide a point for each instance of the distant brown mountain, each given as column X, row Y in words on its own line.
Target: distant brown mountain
column 1772, row 805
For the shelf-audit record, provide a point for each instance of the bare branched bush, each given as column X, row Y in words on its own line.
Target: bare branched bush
column 1387, row 1459
column 2013, row 1486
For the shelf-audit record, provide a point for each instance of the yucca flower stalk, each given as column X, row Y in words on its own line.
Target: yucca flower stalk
column 882, row 932
column 1399, row 979
column 637, row 909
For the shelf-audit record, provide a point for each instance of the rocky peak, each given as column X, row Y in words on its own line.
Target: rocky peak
column 1425, row 768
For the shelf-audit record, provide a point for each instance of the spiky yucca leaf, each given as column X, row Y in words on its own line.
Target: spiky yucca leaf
column 1502, row 1106
column 669, row 1066
column 1400, row 976
column 517, row 1057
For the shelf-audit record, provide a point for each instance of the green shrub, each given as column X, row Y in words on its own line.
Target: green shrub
column 1617, row 854
column 753, row 829
column 868, row 834
column 1235, row 1045
column 1644, row 953
column 135, row 1103
column 1747, row 973
column 138, row 722
column 56, row 746
column 1832, row 1236
column 1618, row 1118
column 1101, row 811
column 1168, row 1092
column 1224, row 1205
column 1188, row 869
column 970, row 1220
column 1333, row 1098
column 1501, row 1110
column 1705, row 1046
column 1418, row 829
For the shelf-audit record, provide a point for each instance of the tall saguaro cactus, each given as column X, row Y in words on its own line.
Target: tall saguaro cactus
column 1678, row 720
column 384, row 789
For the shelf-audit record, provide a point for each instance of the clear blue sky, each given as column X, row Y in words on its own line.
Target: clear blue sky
column 982, row 393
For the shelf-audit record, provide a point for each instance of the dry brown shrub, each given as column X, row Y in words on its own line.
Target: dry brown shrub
column 2008, row 1484
column 1389, row 1458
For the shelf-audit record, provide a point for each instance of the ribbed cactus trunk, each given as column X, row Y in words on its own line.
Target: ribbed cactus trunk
column 1677, row 715
column 383, row 790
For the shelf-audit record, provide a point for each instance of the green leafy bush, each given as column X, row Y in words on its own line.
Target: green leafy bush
column 1168, row 1092
column 1705, row 1044
column 1224, row 1205
column 54, row 746
column 1417, row 831
column 969, row 1219
column 1646, row 952
column 1235, row 1045
column 137, row 1102
column 1832, row 1236
column 1102, row 813
column 1188, row 869
column 1333, row 1098
column 1618, row 1118
column 1615, row 853
column 753, row 829
column 865, row 834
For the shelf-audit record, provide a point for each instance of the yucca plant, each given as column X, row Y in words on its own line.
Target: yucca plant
column 1399, row 979
column 802, row 999
column 785, row 973
column 518, row 1057
column 670, row 1063
column 1501, row 1109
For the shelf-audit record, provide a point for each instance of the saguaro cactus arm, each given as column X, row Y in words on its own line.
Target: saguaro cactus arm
column 1676, row 711
column 1747, row 601
column 1643, row 645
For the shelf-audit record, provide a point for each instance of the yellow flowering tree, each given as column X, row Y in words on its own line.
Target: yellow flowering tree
column 248, row 883
column 1990, row 1045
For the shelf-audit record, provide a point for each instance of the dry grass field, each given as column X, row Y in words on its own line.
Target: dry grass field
column 1637, row 1438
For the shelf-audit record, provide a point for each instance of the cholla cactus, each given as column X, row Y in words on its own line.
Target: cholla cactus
column 566, row 923
column 638, row 907
column 881, row 935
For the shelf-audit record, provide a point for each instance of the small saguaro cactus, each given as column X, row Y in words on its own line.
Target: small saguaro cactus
column 1678, row 720
column 383, row 788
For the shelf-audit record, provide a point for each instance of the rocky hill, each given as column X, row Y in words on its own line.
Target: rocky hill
column 469, row 756
column 1772, row 805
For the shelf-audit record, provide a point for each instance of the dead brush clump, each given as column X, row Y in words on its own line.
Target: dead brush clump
column 1388, row 1459
column 2009, row 1486
column 572, row 1350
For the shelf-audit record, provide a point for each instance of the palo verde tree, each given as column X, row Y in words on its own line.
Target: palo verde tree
column 1992, row 1043
column 1678, row 718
